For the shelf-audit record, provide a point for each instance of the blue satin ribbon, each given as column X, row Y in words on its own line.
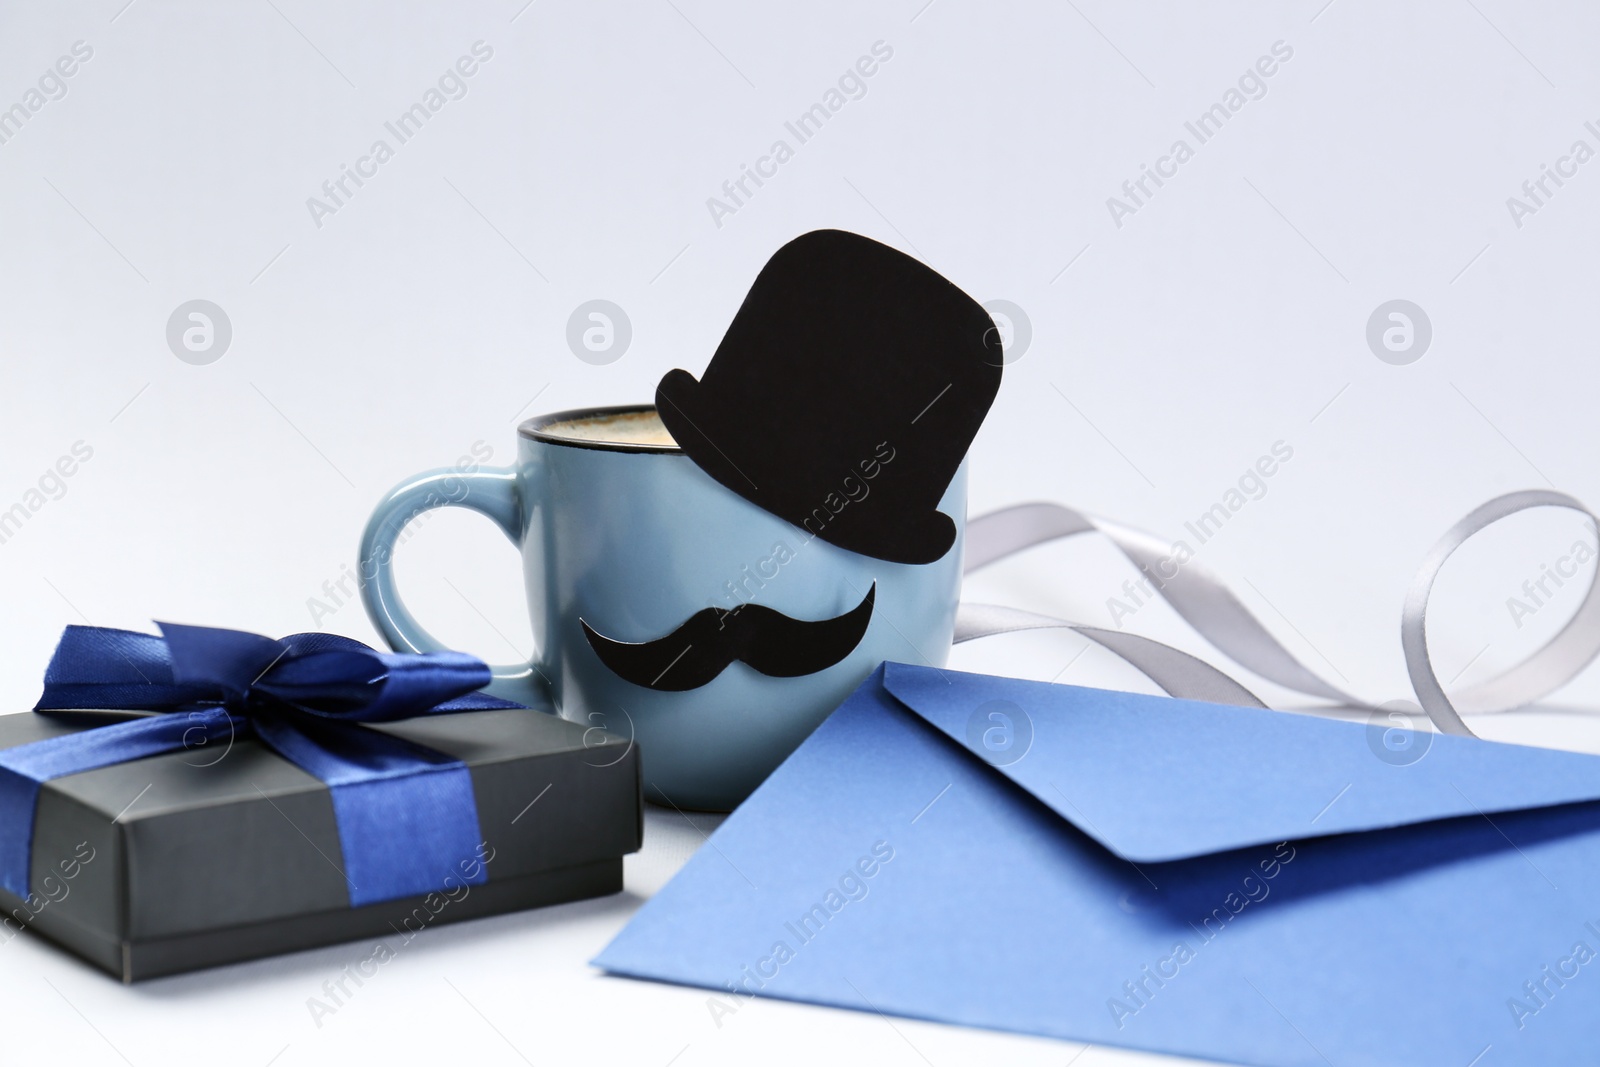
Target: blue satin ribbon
column 406, row 814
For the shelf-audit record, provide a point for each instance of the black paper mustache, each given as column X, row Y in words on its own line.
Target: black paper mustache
column 710, row 639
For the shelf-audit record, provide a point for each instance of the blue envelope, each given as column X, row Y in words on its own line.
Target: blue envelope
column 1226, row 883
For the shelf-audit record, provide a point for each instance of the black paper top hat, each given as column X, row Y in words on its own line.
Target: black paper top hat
column 844, row 395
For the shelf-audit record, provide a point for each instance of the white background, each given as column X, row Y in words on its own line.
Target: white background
column 1228, row 313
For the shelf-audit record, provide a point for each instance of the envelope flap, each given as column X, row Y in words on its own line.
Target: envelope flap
column 1155, row 778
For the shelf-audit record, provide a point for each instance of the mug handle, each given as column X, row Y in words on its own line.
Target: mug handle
column 492, row 492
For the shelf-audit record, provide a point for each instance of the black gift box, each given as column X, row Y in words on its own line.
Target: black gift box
column 228, row 852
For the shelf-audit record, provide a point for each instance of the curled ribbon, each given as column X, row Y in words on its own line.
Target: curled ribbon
column 1207, row 605
column 406, row 814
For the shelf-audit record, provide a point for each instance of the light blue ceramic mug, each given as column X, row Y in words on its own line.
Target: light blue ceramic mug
column 624, row 540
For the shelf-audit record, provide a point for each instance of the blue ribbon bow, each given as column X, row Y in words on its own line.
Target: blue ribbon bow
column 405, row 813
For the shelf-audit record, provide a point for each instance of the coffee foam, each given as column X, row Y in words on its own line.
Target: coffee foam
column 629, row 428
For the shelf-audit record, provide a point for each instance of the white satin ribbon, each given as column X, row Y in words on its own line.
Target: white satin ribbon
column 1207, row 605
